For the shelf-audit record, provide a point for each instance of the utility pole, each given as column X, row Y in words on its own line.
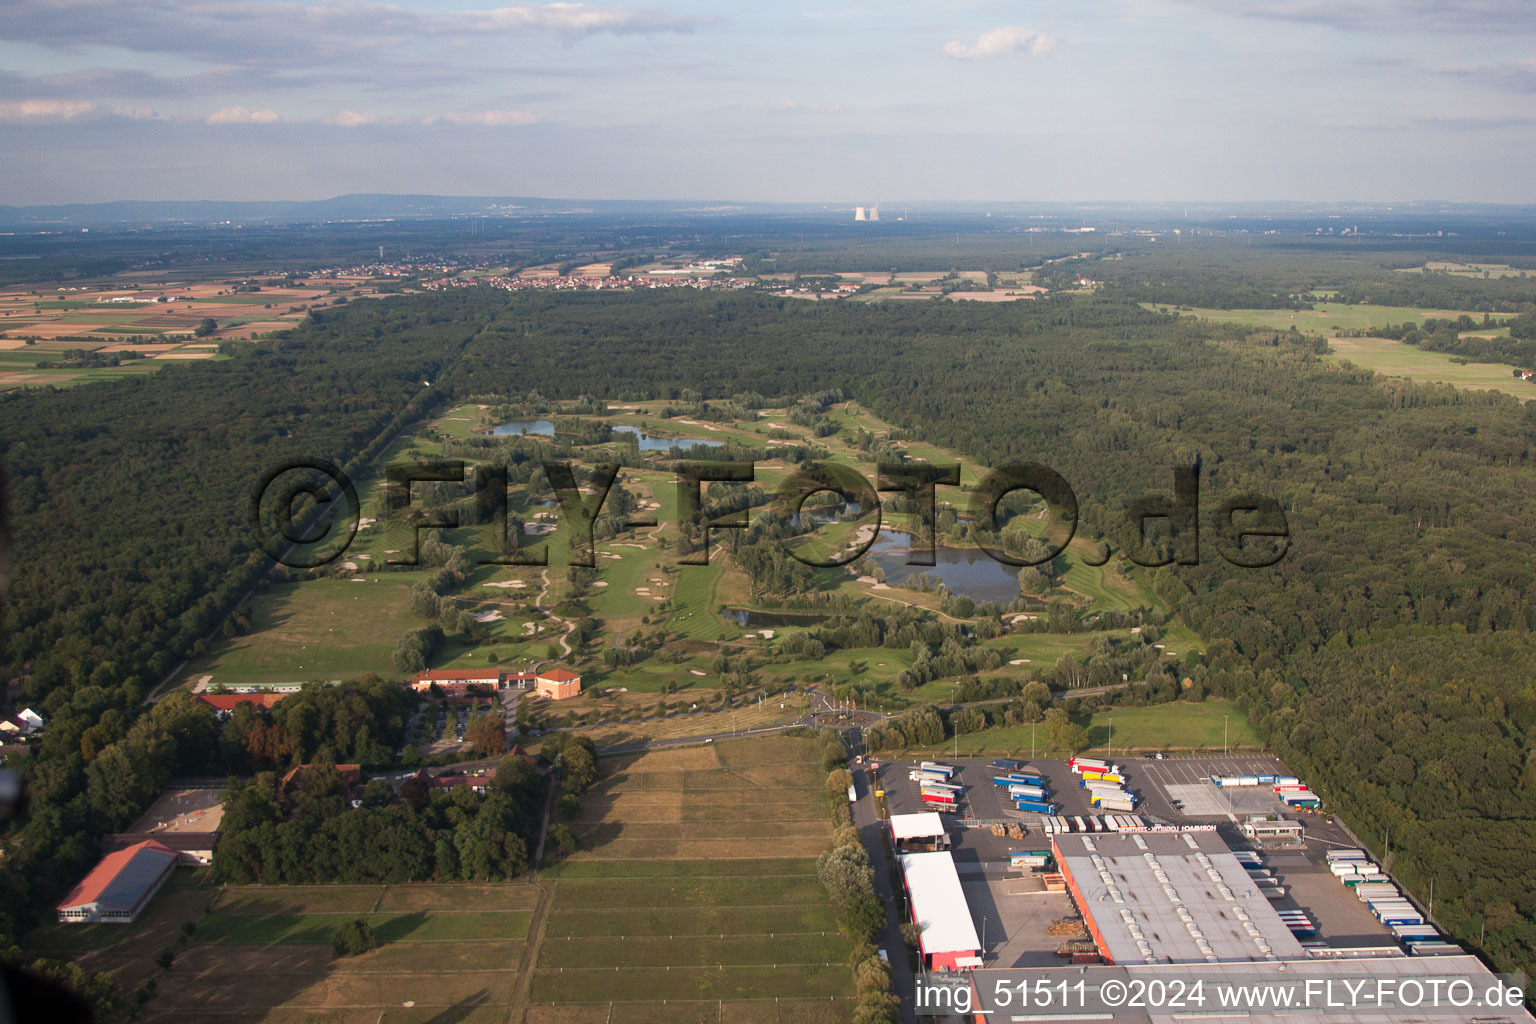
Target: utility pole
column 1031, row 741
column 1224, row 734
column 1109, row 750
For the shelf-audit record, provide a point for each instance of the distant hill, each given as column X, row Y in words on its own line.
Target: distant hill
column 342, row 208
column 1387, row 217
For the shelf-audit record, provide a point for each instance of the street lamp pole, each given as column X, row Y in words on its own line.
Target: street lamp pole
column 1224, row 734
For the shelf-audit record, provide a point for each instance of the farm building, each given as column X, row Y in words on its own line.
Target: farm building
column 120, row 886
column 1167, row 898
column 557, row 683
column 919, row 832
column 947, row 936
column 225, row 703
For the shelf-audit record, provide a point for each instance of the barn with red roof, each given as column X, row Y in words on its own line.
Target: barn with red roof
column 120, row 886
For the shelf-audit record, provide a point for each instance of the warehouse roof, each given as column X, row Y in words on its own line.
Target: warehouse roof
column 122, row 878
column 916, row 826
column 938, row 903
column 1172, row 897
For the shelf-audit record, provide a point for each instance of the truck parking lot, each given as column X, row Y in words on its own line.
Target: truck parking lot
column 1013, row 909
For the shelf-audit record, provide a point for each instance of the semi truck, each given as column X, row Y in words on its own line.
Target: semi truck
column 1036, row 806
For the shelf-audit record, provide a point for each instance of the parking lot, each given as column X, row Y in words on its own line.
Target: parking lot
column 1014, row 909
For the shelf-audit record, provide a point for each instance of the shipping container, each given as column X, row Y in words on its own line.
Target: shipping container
column 1030, row 859
column 1435, row 949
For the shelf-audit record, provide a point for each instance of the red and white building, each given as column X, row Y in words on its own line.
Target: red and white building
column 459, row 682
column 946, row 934
column 120, row 886
column 225, row 703
column 557, row 683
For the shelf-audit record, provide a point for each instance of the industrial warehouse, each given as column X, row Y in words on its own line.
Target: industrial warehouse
column 1228, row 876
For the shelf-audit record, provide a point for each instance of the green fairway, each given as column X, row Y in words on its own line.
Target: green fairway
column 320, row 629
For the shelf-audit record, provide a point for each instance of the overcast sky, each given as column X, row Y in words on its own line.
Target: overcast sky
column 1047, row 100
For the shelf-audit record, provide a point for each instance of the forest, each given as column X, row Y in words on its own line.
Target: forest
column 1387, row 656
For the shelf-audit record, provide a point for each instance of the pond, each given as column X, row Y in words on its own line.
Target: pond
column 546, row 428
column 543, row 428
column 664, row 444
column 967, row 571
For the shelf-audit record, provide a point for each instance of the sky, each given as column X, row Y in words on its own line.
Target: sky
column 1043, row 100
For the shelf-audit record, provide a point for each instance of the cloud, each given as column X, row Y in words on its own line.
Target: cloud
column 249, row 33
column 59, row 111
column 45, row 110
column 486, row 118
column 1511, row 76
column 353, row 119
column 241, row 115
column 999, row 42
column 574, row 19
column 787, row 104
column 1494, row 17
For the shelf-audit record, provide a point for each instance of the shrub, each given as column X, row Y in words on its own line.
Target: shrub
column 354, row 937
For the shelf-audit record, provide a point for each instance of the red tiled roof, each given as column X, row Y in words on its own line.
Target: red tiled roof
column 228, row 701
column 560, row 675
column 445, row 675
column 91, row 887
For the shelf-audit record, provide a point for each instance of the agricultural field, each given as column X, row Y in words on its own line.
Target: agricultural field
column 694, row 895
column 1327, row 317
column 264, row 952
column 1395, row 359
column 1473, row 270
column 132, row 324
